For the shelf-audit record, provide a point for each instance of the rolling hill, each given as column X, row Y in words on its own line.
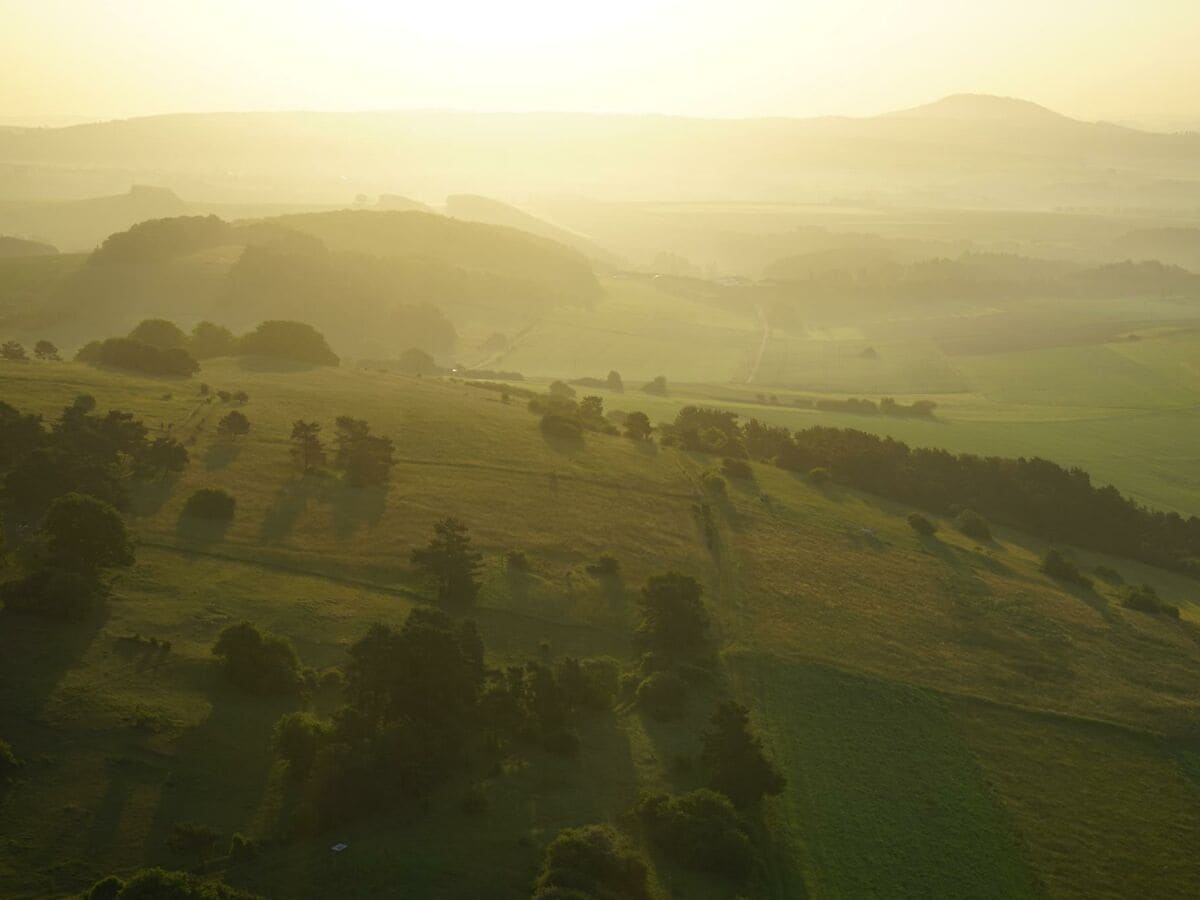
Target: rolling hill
column 969, row 150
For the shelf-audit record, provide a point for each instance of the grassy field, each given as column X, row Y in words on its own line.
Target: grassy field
column 951, row 722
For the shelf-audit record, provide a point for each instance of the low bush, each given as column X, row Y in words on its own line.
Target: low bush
column 713, row 483
column 210, row 503
column 819, row 476
column 517, row 563
column 607, row 566
column 700, row 829
column 562, row 427
column 256, row 661
column 972, row 524
column 591, row 862
column 920, row 524
column 1058, row 566
column 1144, row 598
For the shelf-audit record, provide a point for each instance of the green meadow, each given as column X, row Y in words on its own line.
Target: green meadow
column 950, row 721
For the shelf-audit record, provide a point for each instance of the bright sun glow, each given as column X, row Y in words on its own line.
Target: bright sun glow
column 760, row 57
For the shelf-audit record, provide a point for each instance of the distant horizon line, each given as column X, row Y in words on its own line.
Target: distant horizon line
column 54, row 121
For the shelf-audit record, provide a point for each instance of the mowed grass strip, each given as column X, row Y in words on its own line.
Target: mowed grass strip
column 884, row 798
column 1102, row 811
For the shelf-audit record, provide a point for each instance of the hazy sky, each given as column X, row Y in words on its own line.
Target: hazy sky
column 1089, row 58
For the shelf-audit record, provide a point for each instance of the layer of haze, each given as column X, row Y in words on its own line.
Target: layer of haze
column 756, row 58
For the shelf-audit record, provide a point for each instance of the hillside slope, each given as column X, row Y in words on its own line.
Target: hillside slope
column 942, row 709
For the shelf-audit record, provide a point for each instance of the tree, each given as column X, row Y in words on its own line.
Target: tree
column 296, row 341
column 657, row 385
column 159, row 333
column 209, row 340
column 920, row 524
column 591, row 862
column 307, row 449
column 449, row 560
column 162, row 456
column 12, row 350
column 84, row 534
column 232, row 424
column 298, row 735
column 674, row 620
column 700, row 829
column 258, row 661
column 45, row 350
column 637, row 426
column 366, row 459
column 210, row 503
column 415, row 361
column 972, row 524
column 614, row 382
column 734, row 756
column 190, row 837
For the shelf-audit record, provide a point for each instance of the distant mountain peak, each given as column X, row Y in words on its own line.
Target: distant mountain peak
column 978, row 107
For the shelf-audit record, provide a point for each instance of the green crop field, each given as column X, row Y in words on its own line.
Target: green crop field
column 951, row 722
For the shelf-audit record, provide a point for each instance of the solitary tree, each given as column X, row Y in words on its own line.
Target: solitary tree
column 737, row 766
column 189, row 837
column 674, row 620
column 307, row 449
column 13, row 350
column 658, row 385
column 232, row 424
column 614, row 381
column 450, row 562
column 637, row 426
column 84, row 535
column 365, row 458
column 45, row 350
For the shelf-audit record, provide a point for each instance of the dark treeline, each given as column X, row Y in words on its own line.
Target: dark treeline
column 983, row 277
column 160, row 347
column 1033, row 494
column 60, row 491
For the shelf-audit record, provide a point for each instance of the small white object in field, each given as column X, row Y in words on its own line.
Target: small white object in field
column 338, row 848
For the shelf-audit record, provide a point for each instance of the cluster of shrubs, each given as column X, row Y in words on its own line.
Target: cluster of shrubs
column 1059, row 567
column 563, row 417
column 365, row 459
column 887, row 406
column 1144, row 598
column 160, row 884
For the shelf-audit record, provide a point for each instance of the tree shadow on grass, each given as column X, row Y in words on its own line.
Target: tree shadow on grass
column 195, row 530
column 147, row 497
column 221, row 454
column 221, row 767
column 567, row 446
column 289, row 505
column 355, row 508
column 36, row 652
